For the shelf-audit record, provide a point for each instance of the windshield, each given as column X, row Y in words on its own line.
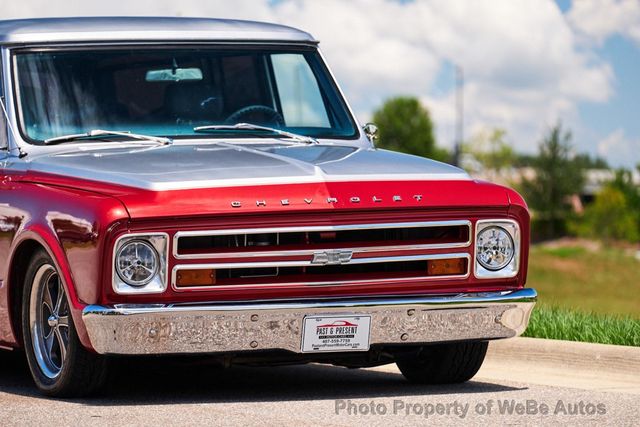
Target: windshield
column 169, row 91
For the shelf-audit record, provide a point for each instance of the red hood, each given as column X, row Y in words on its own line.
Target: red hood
column 315, row 197
column 306, row 197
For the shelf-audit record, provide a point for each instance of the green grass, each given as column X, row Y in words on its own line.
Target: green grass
column 585, row 294
column 565, row 251
column 563, row 324
column 606, row 281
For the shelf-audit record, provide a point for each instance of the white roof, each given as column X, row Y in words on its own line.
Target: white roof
column 104, row 29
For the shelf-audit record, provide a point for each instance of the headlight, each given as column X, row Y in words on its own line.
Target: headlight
column 497, row 249
column 137, row 263
column 494, row 248
column 140, row 263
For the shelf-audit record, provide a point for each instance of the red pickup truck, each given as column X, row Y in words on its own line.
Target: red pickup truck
column 199, row 186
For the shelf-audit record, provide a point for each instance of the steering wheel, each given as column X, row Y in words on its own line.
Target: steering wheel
column 265, row 116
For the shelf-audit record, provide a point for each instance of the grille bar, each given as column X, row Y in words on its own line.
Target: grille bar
column 277, row 233
column 252, row 282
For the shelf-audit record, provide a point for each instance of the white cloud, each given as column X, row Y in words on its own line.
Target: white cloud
column 524, row 66
column 619, row 149
column 599, row 19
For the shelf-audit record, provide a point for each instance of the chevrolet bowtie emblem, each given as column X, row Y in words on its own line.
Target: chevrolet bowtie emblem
column 335, row 257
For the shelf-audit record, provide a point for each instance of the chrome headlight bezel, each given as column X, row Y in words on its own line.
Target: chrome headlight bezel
column 159, row 242
column 512, row 268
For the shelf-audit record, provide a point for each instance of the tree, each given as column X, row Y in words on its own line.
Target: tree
column 557, row 177
column 491, row 151
column 610, row 217
column 405, row 125
column 588, row 162
column 624, row 183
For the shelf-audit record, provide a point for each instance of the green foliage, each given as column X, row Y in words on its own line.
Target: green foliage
column 523, row 160
column 491, row 149
column 405, row 125
column 557, row 177
column 563, row 324
column 624, row 183
column 610, row 217
column 588, row 162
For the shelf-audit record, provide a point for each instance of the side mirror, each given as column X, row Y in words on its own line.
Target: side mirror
column 371, row 131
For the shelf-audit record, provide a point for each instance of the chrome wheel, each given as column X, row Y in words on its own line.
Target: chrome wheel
column 49, row 321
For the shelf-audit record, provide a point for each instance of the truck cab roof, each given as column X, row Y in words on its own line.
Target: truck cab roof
column 123, row 29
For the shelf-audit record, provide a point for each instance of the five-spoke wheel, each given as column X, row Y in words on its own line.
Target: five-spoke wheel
column 59, row 363
column 49, row 320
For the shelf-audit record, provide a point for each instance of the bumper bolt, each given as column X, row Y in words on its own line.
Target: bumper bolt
column 404, row 337
column 254, row 344
column 411, row 312
column 254, row 317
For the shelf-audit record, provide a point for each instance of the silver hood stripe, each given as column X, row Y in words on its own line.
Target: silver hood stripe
column 186, row 166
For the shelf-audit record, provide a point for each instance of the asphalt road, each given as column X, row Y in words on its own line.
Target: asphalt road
column 146, row 392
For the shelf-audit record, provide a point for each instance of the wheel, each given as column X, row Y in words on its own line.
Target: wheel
column 256, row 114
column 444, row 363
column 58, row 362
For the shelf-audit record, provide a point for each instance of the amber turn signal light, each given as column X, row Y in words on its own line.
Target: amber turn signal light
column 447, row 267
column 204, row 277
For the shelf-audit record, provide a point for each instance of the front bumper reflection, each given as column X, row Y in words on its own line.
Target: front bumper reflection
column 214, row 328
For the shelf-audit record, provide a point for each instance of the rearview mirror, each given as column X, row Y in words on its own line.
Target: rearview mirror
column 174, row 75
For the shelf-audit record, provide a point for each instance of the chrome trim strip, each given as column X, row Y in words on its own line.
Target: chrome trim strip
column 262, row 325
column 48, row 46
column 434, row 301
column 308, row 263
column 343, row 227
column 301, row 252
column 359, row 282
column 313, row 229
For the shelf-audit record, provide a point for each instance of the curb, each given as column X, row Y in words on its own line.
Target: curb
column 564, row 363
column 615, row 359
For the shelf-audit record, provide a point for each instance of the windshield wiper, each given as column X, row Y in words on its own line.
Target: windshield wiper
column 251, row 126
column 100, row 132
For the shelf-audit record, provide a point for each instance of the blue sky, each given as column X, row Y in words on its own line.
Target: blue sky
column 620, row 112
column 608, row 128
column 622, row 109
column 528, row 63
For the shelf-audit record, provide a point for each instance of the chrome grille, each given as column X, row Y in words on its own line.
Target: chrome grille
column 252, row 242
column 321, row 255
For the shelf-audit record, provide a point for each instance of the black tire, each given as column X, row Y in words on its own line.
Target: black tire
column 73, row 372
column 444, row 363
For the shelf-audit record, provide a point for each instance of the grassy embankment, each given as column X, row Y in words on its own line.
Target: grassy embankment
column 585, row 294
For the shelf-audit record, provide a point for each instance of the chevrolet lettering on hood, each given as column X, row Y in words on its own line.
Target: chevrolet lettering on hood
column 329, row 200
column 176, row 186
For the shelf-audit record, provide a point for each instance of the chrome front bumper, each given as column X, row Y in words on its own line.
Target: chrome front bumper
column 173, row 329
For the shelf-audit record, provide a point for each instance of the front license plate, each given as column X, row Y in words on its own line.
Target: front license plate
column 335, row 333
